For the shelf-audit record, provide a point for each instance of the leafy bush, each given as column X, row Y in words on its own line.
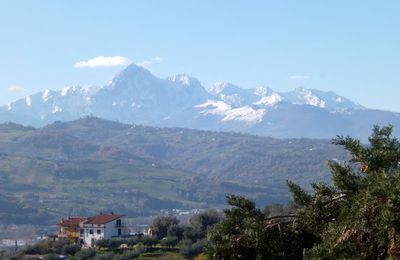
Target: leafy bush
column 102, row 243
column 190, row 250
column 128, row 255
column 133, row 241
column 70, row 249
column 169, row 241
column 149, row 240
column 114, row 243
column 84, row 254
column 41, row 248
column 161, row 225
column 104, row 256
column 52, row 257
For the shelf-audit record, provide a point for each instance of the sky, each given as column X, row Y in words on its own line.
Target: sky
column 349, row 47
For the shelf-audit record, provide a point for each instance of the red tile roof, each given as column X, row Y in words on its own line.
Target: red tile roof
column 71, row 221
column 103, row 219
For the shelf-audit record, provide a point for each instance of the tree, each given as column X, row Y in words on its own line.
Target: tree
column 70, row 249
column 189, row 249
column 149, row 240
column 84, row 254
column 236, row 235
column 246, row 233
column 161, row 225
column 169, row 241
column 357, row 216
column 202, row 221
column 176, row 231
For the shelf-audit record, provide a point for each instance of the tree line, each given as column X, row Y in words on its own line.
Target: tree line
column 356, row 215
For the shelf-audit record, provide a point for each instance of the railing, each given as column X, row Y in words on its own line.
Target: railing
column 69, row 234
column 120, row 225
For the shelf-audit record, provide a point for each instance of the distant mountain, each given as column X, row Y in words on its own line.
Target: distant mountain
column 90, row 165
column 137, row 96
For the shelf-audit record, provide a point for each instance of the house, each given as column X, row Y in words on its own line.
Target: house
column 69, row 229
column 104, row 226
column 87, row 230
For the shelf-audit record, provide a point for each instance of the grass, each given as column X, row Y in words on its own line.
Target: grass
column 161, row 255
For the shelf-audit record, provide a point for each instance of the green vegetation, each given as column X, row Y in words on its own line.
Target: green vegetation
column 91, row 165
column 355, row 217
column 170, row 241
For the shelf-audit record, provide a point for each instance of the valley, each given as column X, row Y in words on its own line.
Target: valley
column 91, row 165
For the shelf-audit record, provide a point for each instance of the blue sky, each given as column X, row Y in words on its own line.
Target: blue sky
column 350, row 47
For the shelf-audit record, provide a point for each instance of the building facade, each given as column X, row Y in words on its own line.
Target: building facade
column 87, row 230
column 69, row 229
column 101, row 227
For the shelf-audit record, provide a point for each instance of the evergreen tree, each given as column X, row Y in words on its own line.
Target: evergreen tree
column 357, row 216
column 246, row 233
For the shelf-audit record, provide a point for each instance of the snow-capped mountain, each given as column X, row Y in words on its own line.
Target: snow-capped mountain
column 137, row 96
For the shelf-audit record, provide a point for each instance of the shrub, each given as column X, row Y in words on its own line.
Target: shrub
column 189, row 250
column 114, row 243
column 133, row 241
column 71, row 249
column 104, row 243
column 149, row 240
column 84, row 254
column 41, row 248
column 169, row 241
column 52, row 257
column 105, row 256
column 130, row 254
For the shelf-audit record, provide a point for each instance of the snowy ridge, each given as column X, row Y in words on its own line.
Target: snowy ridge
column 136, row 96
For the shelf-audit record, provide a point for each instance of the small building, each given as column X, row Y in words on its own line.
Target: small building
column 104, row 226
column 87, row 230
column 69, row 229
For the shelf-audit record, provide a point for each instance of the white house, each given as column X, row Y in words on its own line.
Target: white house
column 104, row 226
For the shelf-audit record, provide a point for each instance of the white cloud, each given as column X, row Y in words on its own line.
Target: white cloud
column 16, row 88
column 102, row 61
column 299, row 77
column 149, row 62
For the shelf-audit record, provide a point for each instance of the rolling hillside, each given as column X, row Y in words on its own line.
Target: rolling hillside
column 92, row 165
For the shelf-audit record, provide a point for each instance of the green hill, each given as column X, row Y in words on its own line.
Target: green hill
column 91, row 165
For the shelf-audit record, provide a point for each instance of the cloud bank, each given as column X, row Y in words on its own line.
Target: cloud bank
column 102, row 61
column 299, row 77
column 149, row 62
column 16, row 88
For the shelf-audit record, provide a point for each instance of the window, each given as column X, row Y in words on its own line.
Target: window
column 91, row 231
column 119, row 232
column 81, row 231
column 98, row 231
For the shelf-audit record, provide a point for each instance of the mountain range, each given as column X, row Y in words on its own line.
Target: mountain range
column 137, row 96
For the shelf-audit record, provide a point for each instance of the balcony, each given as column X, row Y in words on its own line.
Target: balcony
column 120, row 225
column 69, row 234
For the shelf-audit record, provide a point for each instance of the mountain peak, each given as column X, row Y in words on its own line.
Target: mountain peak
column 134, row 69
column 184, row 80
column 219, row 87
column 263, row 91
column 132, row 72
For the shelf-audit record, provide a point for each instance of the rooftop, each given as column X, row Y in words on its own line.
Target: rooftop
column 103, row 218
column 71, row 221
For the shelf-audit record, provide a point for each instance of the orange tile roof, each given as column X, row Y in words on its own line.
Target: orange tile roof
column 103, row 219
column 71, row 221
